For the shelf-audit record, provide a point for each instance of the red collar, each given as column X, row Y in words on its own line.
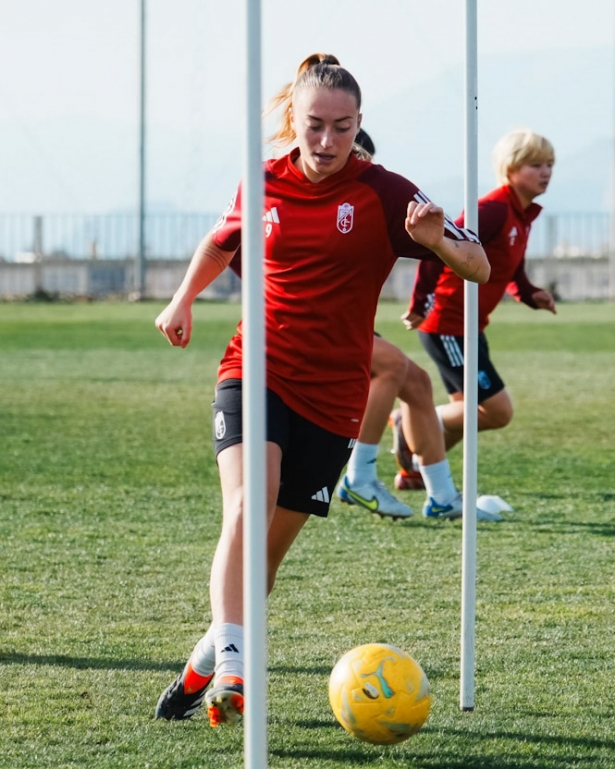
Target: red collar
column 527, row 214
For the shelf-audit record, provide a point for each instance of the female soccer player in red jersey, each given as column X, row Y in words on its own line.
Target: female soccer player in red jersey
column 334, row 227
column 523, row 162
column 394, row 375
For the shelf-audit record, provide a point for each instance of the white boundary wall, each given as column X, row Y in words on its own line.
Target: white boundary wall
column 574, row 279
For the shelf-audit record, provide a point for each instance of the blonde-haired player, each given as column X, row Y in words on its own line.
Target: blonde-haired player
column 523, row 162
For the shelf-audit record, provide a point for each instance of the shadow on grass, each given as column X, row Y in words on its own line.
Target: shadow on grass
column 373, row 755
column 317, row 670
column 98, row 663
column 85, row 663
column 318, row 723
column 590, row 743
column 357, row 757
column 370, row 755
column 345, row 757
column 577, row 527
column 601, row 529
column 325, row 670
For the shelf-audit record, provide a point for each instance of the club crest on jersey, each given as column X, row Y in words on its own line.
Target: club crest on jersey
column 345, row 217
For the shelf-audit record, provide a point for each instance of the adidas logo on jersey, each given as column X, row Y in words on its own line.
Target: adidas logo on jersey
column 513, row 235
column 271, row 217
column 322, row 495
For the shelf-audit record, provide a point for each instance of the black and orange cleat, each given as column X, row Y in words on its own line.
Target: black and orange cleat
column 225, row 701
column 178, row 702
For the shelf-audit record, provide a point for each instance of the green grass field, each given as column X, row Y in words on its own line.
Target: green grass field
column 110, row 510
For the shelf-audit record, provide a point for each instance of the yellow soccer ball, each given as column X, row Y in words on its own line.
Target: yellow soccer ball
column 379, row 694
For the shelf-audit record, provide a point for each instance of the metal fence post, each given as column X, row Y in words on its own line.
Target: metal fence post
column 37, row 250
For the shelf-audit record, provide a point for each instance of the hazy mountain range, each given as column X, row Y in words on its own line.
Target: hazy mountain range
column 568, row 96
column 85, row 164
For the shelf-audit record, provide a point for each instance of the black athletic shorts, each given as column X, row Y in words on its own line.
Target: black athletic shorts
column 447, row 354
column 312, row 457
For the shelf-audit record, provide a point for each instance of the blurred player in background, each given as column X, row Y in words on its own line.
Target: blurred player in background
column 523, row 163
column 394, row 375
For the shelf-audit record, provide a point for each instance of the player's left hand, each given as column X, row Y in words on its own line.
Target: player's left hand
column 544, row 301
column 412, row 320
column 425, row 223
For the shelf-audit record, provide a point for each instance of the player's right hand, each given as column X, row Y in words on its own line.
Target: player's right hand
column 175, row 323
column 544, row 301
column 412, row 320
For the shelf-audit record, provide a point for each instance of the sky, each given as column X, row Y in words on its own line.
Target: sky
column 69, row 89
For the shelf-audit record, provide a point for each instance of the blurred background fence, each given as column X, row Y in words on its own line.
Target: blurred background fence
column 97, row 255
column 101, row 236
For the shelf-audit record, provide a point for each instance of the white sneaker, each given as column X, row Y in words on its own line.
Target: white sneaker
column 493, row 504
column 431, row 509
column 375, row 497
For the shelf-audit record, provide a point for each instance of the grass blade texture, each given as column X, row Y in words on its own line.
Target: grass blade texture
column 110, row 512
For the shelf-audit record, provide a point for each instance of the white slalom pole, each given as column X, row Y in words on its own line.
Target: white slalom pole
column 254, row 459
column 470, row 397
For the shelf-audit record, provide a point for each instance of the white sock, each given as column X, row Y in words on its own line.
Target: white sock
column 362, row 464
column 228, row 639
column 439, row 482
column 203, row 657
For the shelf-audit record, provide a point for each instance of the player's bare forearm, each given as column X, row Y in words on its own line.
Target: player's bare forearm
column 466, row 259
column 175, row 321
column 425, row 224
column 208, row 261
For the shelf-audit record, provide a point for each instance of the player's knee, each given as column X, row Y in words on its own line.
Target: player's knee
column 422, row 382
column 417, row 390
column 389, row 362
column 506, row 416
column 500, row 416
column 396, row 367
